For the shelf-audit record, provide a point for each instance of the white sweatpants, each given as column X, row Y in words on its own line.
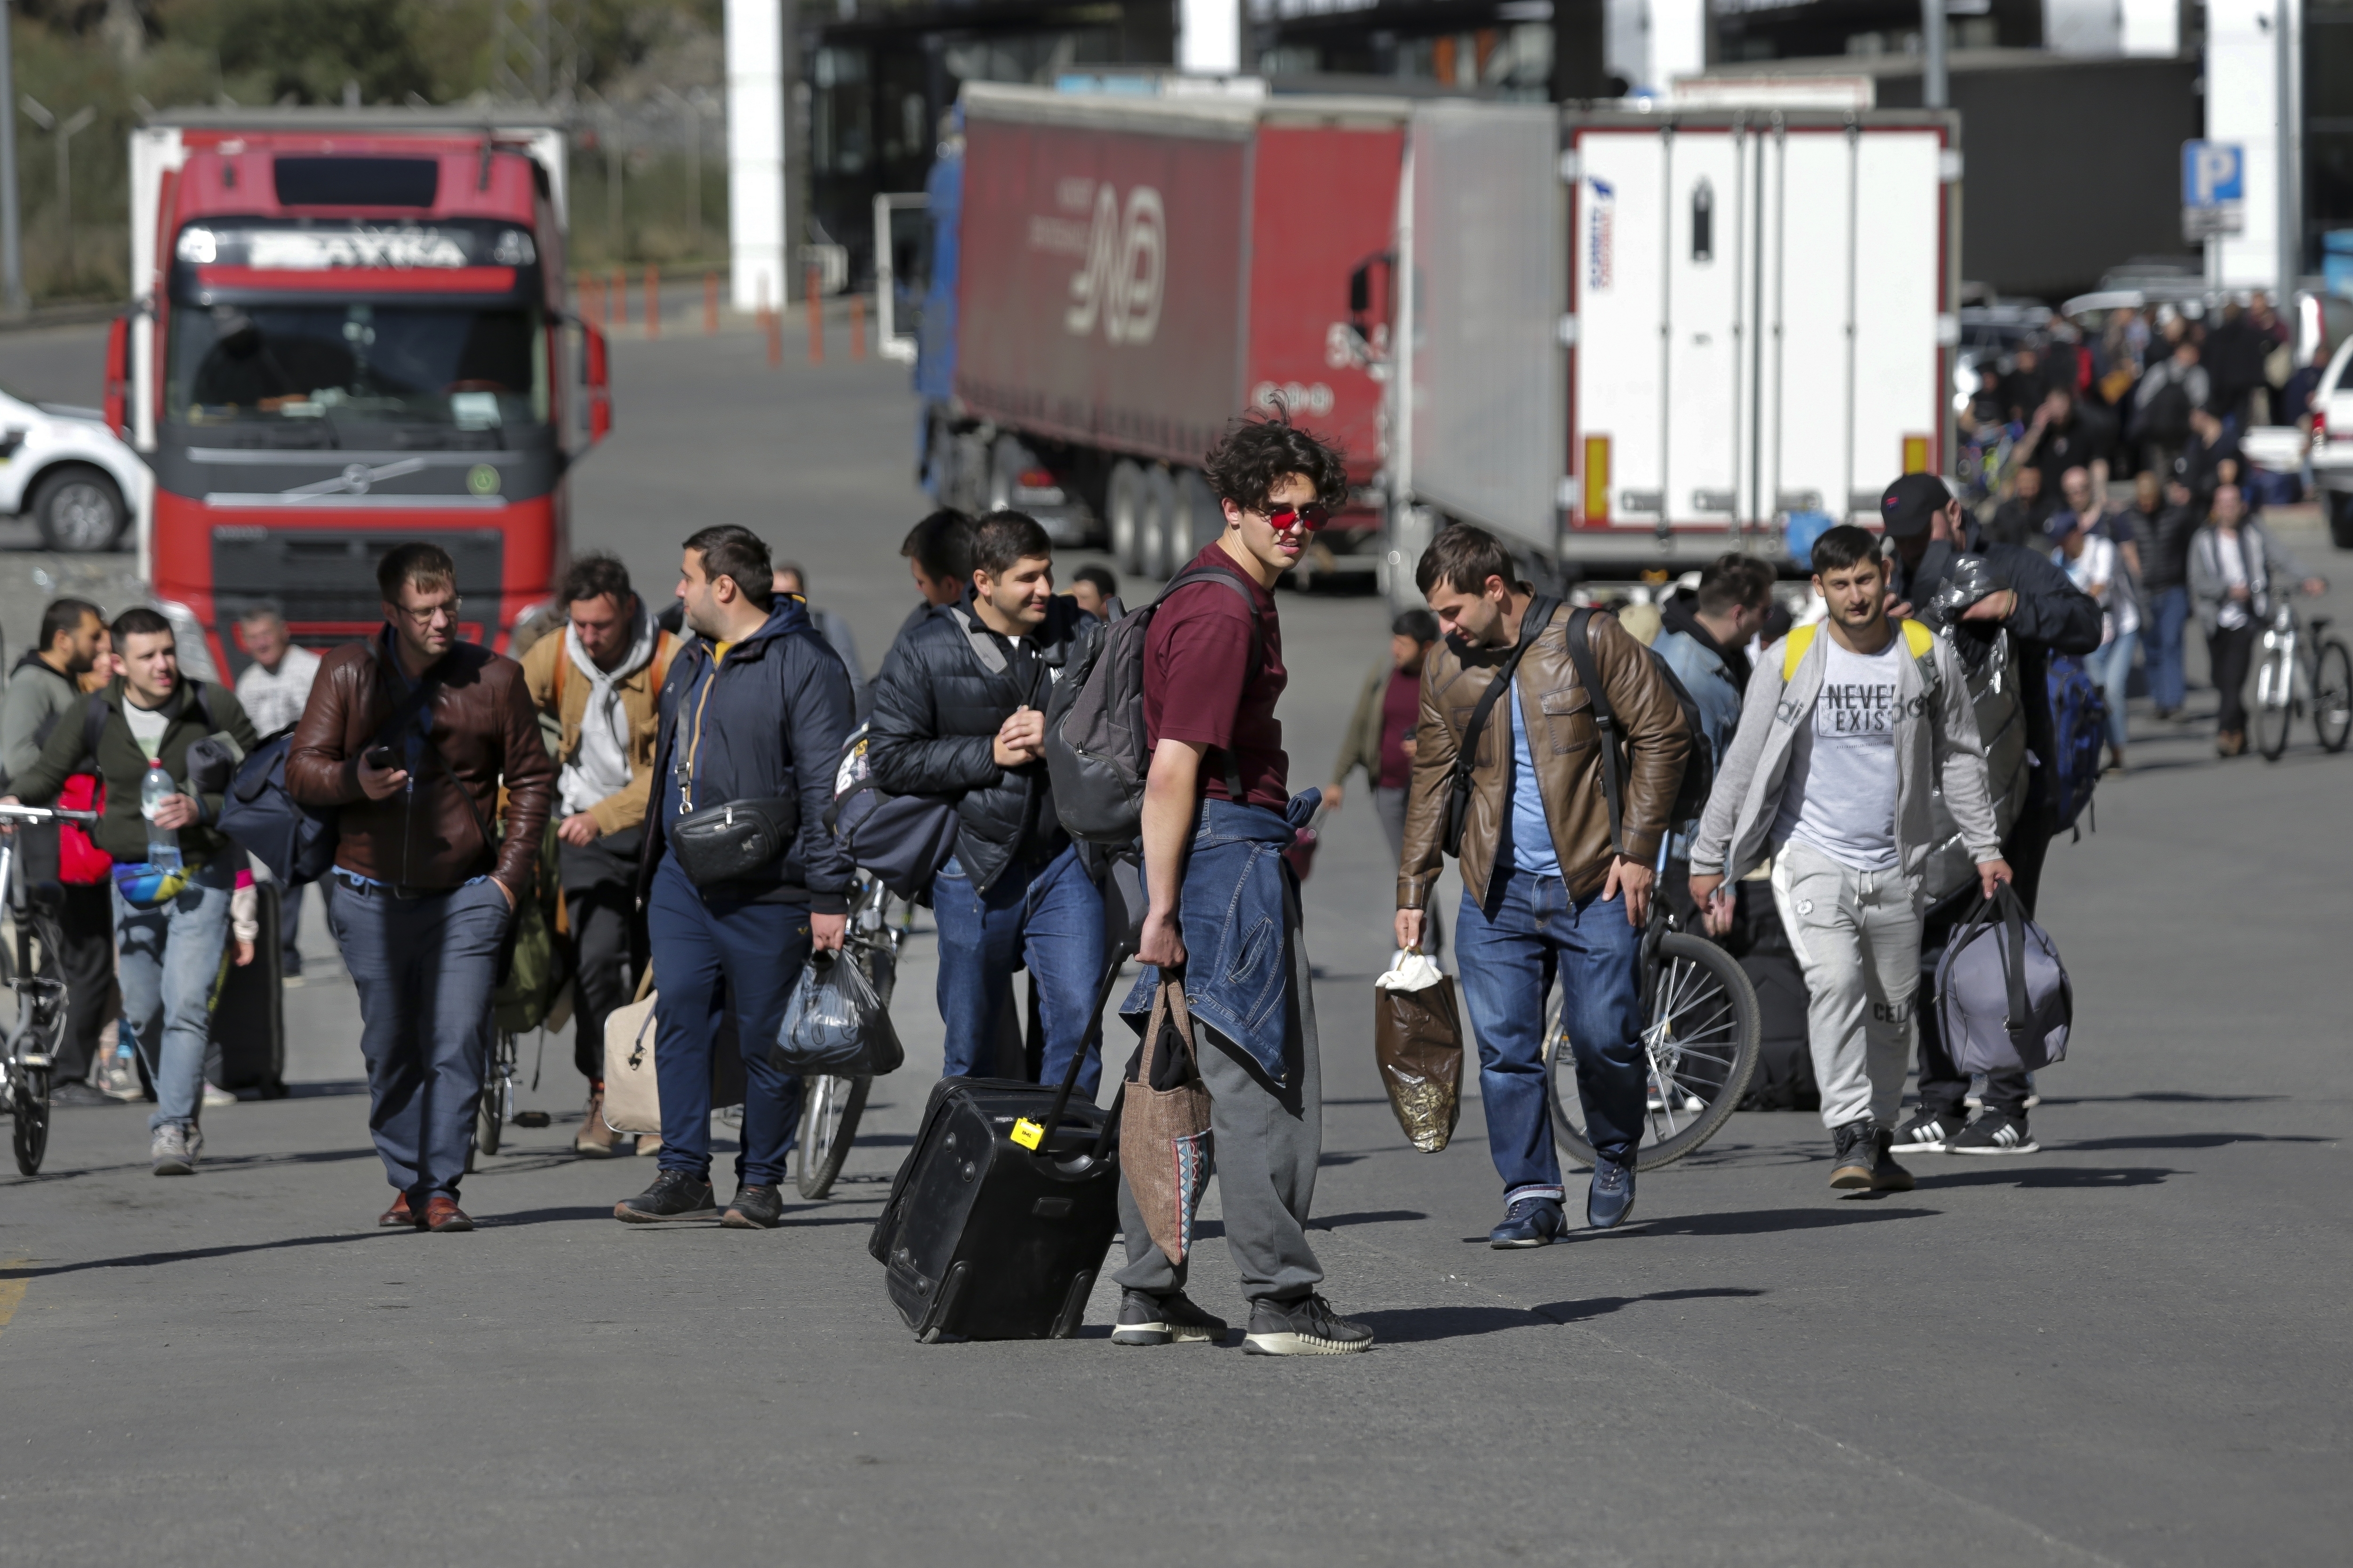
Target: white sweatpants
column 1857, row 936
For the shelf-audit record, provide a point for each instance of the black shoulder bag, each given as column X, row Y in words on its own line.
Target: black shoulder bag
column 1466, row 752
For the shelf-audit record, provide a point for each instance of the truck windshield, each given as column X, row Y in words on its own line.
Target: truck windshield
column 453, row 367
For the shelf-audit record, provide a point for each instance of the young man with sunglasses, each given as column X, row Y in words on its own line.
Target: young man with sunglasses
column 1216, row 797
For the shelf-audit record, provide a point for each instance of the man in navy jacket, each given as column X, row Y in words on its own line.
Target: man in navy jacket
column 756, row 707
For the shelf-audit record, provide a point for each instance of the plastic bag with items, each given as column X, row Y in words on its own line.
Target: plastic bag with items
column 835, row 1024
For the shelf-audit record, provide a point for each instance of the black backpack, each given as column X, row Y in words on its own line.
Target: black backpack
column 1096, row 753
column 1699, row 768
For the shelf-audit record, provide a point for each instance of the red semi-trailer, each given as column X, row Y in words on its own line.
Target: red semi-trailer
column 1116, row 277
column 350, row 331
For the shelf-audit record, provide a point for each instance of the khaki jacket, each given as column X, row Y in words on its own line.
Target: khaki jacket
column 563, row 704
column 1566, row 745
column 1362, row 749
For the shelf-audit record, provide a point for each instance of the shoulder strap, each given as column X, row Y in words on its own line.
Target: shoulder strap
column 1918, row 639
column 563, row 659
column 1794, row 646
column 93, row 724
column 1234, row 791
column 1580, row 655
column 1466, row 750
column 665, row 649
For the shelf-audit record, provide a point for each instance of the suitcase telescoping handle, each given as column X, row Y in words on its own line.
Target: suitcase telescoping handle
column 1118, row 954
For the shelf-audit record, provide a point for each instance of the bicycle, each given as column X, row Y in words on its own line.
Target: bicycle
column 497, row 1106
column 30, row 969
column 2284, row 683
column 1700, row 1041
column 831, row 1106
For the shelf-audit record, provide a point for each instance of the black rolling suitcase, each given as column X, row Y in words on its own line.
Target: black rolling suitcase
column 998, row 1221
column 248, row 1013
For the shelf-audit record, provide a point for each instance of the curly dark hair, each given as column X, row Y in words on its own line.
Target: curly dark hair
column 1262, row 449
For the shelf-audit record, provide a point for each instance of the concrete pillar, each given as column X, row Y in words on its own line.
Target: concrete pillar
column 1678, row 41
column 1210, row 36
column 2243, row 106
column 757, row 252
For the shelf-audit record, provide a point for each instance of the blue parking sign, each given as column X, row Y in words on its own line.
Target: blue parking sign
column 2213, row 174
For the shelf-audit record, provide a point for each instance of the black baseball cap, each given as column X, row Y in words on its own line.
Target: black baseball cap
column 1911, row 504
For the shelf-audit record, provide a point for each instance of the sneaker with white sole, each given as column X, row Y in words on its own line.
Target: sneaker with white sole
column 216, row 1095
column 1993, row 1132
column 1305, row 1327
column 173, row 1149
column 1927, row 1132
column 1171, row 1320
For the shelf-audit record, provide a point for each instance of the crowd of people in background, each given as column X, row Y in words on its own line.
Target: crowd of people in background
column 2120, row 452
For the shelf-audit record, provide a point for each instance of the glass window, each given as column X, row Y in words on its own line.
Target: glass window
column 459, row 367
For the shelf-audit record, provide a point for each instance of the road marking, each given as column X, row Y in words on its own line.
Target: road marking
column 12, row 1290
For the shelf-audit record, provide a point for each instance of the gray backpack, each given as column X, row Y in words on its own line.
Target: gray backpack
column 2003, row 999
column 1096, row 753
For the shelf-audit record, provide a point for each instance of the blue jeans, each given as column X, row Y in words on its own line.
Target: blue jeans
column 2110, row 668
column 167, row 958
column 1509, row 952
column 1048, row 915
column 426, row 969
column 2168, row 613
column 749, row 956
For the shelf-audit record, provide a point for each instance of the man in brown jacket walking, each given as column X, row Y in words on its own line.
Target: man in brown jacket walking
column 411, row 734
column 1546, row 884
column 595, row 686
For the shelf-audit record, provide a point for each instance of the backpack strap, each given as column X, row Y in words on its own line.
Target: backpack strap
column 94, row 712
column 1191, row 574
column 562, row 658
column 1580, row 654
column 1794, row 646
column 665, row 649
column 1539, row 615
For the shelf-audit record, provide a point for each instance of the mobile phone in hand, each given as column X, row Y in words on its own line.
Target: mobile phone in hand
column 378, row 757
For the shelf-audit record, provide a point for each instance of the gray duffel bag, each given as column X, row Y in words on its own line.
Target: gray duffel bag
column 2004, row 1003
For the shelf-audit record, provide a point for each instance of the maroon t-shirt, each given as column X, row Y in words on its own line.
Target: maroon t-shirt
column 1401, row 710
column 1198, row 686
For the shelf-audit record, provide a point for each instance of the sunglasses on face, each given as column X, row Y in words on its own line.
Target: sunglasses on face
column 1311, row 517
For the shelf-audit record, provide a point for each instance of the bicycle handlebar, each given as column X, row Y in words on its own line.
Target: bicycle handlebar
column 45, row 814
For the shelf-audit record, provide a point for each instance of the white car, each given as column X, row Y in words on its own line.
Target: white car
column 62, row 469
column 2332, row 444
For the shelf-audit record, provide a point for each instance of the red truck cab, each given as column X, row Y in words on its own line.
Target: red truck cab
column 352, row 335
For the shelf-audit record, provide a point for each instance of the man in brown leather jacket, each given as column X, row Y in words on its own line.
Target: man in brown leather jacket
column 1545, row 886
column 410, row 735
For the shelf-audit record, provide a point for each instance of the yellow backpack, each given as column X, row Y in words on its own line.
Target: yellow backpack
column 1918, row 637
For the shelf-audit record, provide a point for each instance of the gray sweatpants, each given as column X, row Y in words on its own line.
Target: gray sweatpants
column 1857, row 935
column 1265, row 1142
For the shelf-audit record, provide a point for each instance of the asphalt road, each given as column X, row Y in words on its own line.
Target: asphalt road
column 2131, row 1348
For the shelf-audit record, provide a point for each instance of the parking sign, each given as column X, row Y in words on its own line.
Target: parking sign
column 2213, row 189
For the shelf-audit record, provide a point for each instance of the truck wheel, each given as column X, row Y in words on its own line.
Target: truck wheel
column 79, row 508
column 1160, row 524
column 2340, row 518
column 1126, row 503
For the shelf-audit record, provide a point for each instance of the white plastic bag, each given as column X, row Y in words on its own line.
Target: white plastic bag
column 1408, row 971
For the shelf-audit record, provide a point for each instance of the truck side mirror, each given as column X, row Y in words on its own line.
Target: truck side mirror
column 595, row 376
column 1360, row 289
column 118, row 377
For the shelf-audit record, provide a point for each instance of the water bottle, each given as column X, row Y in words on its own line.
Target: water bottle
column 163, row 842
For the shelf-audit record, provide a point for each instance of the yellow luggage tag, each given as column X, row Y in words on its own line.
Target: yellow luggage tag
column 1029, row 1133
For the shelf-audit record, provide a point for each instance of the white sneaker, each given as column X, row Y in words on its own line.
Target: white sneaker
column 119, row 1079
column 173, row 1149
column 216, row 1095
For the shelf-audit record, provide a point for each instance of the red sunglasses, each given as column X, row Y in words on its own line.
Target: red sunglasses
column 1310, row 517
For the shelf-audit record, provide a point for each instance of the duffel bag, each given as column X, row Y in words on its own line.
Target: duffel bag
column 2003, row 999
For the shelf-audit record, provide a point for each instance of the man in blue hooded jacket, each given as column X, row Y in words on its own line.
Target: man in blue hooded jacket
column 756, row 707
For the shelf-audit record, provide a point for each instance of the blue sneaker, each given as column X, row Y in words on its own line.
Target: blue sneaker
column 1530, row 1222
column 1612, row 1197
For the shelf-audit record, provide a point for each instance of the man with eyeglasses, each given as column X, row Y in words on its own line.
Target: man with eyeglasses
column 1216, row 798
column 410, row 735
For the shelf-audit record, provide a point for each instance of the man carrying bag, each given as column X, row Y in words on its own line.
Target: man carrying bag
column 739, row 879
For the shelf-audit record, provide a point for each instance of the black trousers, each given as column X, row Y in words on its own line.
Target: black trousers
column 2228, row 649
column 1944, row 1087
column 85, row 919
column 600, row 893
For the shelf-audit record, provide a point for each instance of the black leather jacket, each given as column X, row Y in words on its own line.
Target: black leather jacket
column 943, row 691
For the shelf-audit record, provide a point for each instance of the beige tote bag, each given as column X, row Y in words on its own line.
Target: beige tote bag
column 632, row 1094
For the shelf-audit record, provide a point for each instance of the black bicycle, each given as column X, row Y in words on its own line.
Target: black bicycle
column 1700, row 1037
column 33, row 972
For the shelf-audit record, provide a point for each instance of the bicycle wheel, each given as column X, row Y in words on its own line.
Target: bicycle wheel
column 31, row 1105
column 2332, row 695
column 1699, row 1039
column 498, row 1097
column 830, row 1108
column 2275, row 707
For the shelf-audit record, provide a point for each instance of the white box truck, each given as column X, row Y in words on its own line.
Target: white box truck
column 1641, row 339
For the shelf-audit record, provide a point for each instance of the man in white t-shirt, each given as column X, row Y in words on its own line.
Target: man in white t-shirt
column 1843, row 739
column 273, row 690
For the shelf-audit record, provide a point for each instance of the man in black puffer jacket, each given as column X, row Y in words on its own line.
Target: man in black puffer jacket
column 959, row 710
